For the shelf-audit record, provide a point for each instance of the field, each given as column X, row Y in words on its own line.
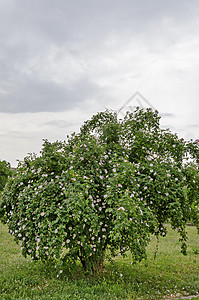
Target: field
column 168, row 276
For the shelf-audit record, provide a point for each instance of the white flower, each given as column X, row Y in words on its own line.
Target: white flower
column 121, row 208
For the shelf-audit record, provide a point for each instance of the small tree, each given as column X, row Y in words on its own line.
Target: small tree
column 4, row 173
column 109, row 187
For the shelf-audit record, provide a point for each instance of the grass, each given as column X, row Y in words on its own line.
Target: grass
column 169, row 275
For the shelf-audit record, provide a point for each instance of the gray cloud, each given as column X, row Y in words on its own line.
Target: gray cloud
column 34, row 95
column 193, row 126
column 84, row 30
column 61, row 123
column 169, row 115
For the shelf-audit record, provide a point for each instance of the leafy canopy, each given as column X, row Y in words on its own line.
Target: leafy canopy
column 110, row 186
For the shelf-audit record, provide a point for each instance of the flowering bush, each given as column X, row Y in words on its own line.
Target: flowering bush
column 109, row 187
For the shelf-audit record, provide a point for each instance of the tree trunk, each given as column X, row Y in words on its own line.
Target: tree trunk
column 93, row 265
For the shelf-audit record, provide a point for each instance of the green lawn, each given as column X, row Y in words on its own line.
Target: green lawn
column 170, row 274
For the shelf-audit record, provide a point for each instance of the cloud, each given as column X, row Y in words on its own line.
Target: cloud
column 169, row 115
column 193, row 126
column 61, row 123
column 34, row 95
column 60, row 55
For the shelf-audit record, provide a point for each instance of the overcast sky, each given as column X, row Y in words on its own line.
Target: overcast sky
column 61, row 61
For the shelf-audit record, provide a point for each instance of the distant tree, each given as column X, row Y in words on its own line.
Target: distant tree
column 109, row 187
column 4, row 173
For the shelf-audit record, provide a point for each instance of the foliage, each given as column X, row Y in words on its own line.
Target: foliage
column 110, row 186
column 4, row 173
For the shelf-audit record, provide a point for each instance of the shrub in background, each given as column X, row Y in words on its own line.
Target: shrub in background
column 109, row 187
column 4, row 173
